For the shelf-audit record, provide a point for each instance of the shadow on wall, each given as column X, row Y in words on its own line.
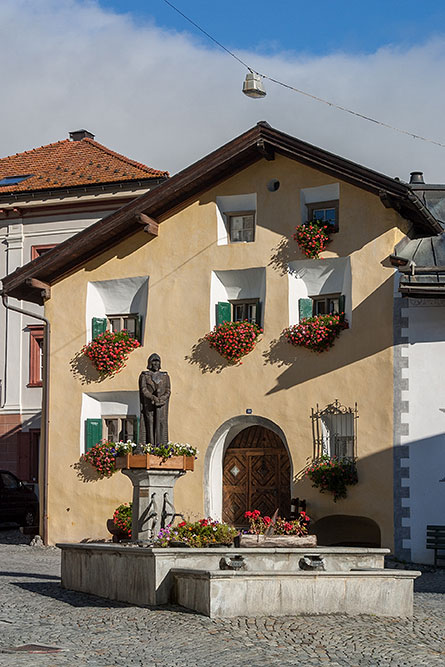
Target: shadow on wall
column 85, row 471
column 83, row 370
column 364, row 339
column 208, row 359
column 285, row 252
column 346, row 531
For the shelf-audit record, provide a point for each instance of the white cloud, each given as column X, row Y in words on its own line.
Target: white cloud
column 166, row 99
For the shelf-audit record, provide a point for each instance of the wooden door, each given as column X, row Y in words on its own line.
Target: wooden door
column 256, row 475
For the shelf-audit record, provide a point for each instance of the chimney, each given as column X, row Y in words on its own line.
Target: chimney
column 78, row 135
column 416, row 177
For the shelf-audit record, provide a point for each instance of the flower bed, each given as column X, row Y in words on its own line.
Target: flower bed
column 312, row 238
column 109, row 351
column 233, row 340
column 265, row 532
column 103, row 455
column 316, row 333
column 259, row 524
column 333, row 475
column 202, row 533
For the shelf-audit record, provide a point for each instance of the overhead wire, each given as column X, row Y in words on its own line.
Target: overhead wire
column 303, row 92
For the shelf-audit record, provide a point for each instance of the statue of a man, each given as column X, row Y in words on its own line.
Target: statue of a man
column 154, row 394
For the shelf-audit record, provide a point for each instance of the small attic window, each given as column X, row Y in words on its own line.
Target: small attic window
column 13, row 180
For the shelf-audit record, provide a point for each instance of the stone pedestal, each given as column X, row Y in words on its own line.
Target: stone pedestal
column 153, row 507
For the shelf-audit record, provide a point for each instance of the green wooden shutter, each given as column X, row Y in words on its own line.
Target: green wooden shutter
column 138, row 328
column 341, row 305
column 93, row 433
column 305, row 308
column 258, row 313
column 98, row 326
column 223, row 312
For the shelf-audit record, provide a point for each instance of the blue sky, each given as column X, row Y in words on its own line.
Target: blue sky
column 299, row 26
column 150, row 86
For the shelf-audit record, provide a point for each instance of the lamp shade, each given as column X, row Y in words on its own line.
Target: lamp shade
column 253, row 86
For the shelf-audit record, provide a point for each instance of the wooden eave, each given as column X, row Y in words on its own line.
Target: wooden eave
column 261, row 141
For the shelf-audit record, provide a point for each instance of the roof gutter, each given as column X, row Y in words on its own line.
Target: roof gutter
column 420, row 206
column 45, row 407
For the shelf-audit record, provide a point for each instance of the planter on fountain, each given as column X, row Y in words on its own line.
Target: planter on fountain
column 278, row 541
column 152, row 462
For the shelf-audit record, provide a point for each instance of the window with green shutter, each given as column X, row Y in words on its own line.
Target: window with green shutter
column 305, row 307
column 98, row 326
column 223, row 312
column 328, row 304
column 93, row 433
column 131, row 323
column 239, row 310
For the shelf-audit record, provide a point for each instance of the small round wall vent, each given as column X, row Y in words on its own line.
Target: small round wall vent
column 273, row 185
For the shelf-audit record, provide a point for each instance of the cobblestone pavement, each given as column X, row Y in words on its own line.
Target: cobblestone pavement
column 34, row 609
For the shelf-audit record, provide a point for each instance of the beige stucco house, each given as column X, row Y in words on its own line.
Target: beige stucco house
column 221, row 232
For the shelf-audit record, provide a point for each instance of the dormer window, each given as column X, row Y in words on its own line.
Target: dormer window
column 241, row 225
column 13, row 180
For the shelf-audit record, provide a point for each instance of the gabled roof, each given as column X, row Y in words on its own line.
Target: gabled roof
column 66, row 164
column 261, row 141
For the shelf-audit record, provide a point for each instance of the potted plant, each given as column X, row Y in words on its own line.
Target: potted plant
column 316, row 333
column 265, row 531
column 109, row 351
column 120, row 525
column 102, row 457
column 312, row 238
column 200, row 534
column 233, row 340
column 333, row 475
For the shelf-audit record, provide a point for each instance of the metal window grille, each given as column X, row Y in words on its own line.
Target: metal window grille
column 334, row 431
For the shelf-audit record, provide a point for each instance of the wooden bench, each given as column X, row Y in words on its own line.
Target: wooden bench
column 435, row 539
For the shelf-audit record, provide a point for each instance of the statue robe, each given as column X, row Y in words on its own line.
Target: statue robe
column 154, row 394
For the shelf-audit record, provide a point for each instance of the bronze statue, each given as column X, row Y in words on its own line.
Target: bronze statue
column 154, row 394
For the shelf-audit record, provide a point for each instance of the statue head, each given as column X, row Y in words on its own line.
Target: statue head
column 154, row 362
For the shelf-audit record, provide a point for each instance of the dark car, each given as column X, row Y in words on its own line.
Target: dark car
column 18, row 503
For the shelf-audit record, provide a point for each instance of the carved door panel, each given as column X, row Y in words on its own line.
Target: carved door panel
column 235, row 487
column 256, row 475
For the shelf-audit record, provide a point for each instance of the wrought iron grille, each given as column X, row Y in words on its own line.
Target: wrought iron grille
column 334, row 431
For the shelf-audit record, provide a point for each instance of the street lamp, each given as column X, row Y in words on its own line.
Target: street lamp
column 253, row 86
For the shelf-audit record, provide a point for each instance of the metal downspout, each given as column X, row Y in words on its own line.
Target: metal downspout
column 45, row 406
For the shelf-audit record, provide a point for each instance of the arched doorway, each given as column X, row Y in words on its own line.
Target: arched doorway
column 256, row 475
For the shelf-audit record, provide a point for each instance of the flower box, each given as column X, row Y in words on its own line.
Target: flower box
column 152, row 462
column 279, row 541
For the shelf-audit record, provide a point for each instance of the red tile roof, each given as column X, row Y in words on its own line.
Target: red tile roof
column 66, row 164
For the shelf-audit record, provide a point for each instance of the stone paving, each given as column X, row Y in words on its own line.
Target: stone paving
column 34, row 609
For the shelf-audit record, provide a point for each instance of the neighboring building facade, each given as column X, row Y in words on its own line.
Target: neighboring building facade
column 218, row 241
column 47, row 195
column 419, row 400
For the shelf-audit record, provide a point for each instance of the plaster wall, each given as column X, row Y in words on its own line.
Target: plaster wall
column 275, row 382
column 422, row 468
